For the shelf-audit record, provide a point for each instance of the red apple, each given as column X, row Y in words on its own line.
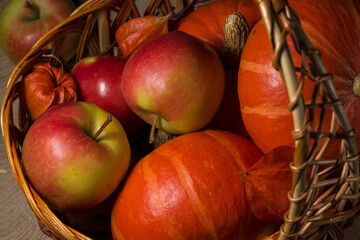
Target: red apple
column 99, row 81
column 23, row 22
column 67, row 164
column 175, row 78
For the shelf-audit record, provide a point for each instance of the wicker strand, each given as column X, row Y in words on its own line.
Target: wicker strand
column 311, row 216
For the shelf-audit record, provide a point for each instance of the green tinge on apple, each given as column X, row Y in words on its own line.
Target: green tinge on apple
column 177, row 78
column 65, row 164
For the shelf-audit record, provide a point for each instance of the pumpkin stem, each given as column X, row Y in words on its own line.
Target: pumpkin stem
column 152, row 131
column 61, row 65
column 162, row 137
column 103, row 126
column 236, row 32
column 243, row 174
column 356, row 85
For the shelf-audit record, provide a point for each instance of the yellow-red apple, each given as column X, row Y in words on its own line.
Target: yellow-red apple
column 68, row 163
column 175, row 80
column 23, row 22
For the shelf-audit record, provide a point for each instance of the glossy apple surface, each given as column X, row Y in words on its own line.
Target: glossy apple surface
column 99, row 82
column 66, row 165
column 177, row 78
column 23, row 22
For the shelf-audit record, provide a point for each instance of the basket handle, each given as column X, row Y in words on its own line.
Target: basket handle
column 280, row 20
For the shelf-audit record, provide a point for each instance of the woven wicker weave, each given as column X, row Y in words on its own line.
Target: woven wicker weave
column 310, row 216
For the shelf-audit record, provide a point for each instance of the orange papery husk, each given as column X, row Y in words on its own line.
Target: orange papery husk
column 137, row 31
column 46, row 86
column 267, row 184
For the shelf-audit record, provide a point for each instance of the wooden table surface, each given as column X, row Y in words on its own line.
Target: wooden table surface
column 17, row 221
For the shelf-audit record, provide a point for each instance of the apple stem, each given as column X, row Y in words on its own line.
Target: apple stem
column 152, row 131
column 33, row 9
column 103, row 126
column 61, row 65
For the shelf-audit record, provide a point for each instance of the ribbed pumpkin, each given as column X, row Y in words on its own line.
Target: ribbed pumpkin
column 191, row 187
column 334, row 29
column 207, row 21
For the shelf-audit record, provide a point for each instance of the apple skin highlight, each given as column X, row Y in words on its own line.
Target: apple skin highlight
column 64, row 163
column 176, row 78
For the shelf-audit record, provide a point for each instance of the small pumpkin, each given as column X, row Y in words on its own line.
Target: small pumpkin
column 207, row 21
column 44, row 87
column 191, row 187
column 334, row 29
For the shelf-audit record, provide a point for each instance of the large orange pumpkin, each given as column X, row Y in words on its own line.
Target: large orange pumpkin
column 207, row 22
column 191, row 187
column 334, row 29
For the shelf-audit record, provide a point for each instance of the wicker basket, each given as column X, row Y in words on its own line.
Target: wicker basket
column 310, row 216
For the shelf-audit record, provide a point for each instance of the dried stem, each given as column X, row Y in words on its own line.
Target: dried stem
column 152, row 131
column 61, row 65
column 236, row 32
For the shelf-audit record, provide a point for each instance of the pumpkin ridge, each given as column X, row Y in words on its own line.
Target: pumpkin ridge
column 255, row 67
column 241, row 166
column 151, row 180
column 265, row 110
column 186, row 182
column 320, row 40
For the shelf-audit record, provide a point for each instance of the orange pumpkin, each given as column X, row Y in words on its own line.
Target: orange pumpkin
column 191, row 187
column 334, row 29
column 207, row 21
